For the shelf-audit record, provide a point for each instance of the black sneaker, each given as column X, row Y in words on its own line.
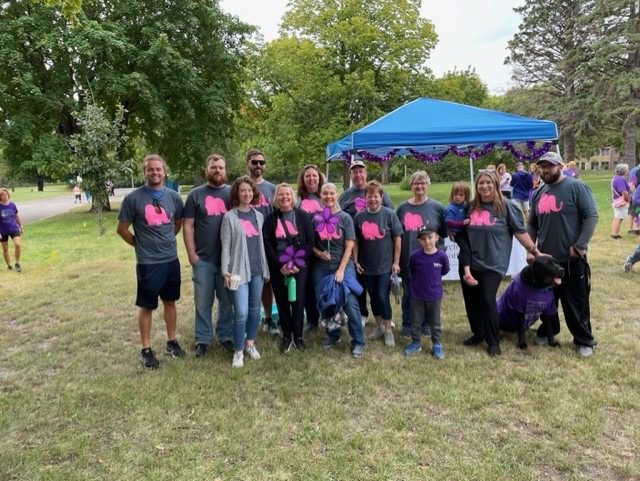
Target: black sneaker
column 201, row 349
column 18, row 268
column 148, row 359
column 285, row 345
column 494, row 350
column 10, row 267
column 472, row 341
column 300, row 344
column 227, row 346
column 173, row 349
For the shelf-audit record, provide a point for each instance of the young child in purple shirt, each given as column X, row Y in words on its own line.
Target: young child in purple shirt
column 427, row 266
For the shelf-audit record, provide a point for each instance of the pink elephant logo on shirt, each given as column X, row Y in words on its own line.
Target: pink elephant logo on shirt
column 324, row 235
column 262, row 201
column 311, row 206
column 360, row 203
column 281, row 234
column 412, row 222
column 249, row 229
column 214, row 205
column 155, row 216
column 547, row 204
column 371, row 231
column 481, row 217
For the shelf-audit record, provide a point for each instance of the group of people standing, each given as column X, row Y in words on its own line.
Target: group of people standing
column 251, row 239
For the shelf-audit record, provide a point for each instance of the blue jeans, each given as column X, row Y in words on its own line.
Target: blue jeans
column 378, row 288
column 208, row 284
column 351, row 308
column 246, row 304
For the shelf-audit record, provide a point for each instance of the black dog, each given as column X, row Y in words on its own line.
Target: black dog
column 529, row 296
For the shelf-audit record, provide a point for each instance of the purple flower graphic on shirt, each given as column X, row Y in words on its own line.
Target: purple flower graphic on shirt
column 325, row 221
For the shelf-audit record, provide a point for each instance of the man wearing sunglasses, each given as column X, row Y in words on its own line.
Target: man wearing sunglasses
column 203, row 213
column 255, row 166
column 155, row 213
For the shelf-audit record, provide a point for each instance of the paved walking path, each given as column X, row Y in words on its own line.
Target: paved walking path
column 35, row 210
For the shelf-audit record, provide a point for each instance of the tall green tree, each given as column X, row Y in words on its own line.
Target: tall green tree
column 549, row 54
column 616, row 66
column 174, row 68
column 336, row 66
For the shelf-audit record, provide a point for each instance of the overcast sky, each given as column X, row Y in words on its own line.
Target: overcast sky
column 470, row 32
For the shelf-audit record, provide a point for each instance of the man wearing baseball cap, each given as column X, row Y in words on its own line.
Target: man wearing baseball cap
column 562, row 219
column 353, row 201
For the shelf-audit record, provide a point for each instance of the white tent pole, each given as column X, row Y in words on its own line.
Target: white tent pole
column 471, row 175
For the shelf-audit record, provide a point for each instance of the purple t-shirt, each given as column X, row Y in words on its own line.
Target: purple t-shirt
column 618, row 186
column 8, row 224
column 426, row 274
column 521, row 300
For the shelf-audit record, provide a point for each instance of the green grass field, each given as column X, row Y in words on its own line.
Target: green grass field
column 75, row 405
column 22, row 194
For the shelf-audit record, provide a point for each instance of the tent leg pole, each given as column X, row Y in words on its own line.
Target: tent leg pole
column 471, row 176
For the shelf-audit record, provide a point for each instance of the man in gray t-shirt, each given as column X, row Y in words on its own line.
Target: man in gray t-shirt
column 203, row 213
column 155, row 213
column 256, row 164
column 353, row 201
column 562, row 219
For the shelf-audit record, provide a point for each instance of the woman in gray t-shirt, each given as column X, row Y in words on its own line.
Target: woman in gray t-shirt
column 493, row 220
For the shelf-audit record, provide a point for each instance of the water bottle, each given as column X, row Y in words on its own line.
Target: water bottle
column 290, row 281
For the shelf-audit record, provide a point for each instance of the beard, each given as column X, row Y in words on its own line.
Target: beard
column 551, row 177
column 216, row 179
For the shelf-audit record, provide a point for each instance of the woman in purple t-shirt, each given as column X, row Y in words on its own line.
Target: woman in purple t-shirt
column 620, row 197
column 10, row 226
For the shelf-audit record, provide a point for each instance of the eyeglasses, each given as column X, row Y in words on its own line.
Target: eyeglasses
column 156, row 206
column 258, row 162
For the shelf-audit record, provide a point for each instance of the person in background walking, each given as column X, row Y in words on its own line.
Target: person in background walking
column 10, row 227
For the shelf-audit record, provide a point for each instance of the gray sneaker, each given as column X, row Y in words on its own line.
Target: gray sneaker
column 389, row 340
column 378, row 333
column 628, row 265
column 585, row 351
column 357, row 351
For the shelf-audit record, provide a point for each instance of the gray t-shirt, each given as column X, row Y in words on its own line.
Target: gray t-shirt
column 252, row 232
column 153, row 214
column 353, row 201
column 310, row 204
column 207, row 205
column 376, row 232
column 267, row 191
column 490, row 236
column 334, row 242
column 563, row 215
column 412, row 217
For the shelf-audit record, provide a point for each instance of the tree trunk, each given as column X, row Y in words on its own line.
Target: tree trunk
column 385, row 173
column 568, row 145
column 629, row 129
column 40, row 184
column 346, row 178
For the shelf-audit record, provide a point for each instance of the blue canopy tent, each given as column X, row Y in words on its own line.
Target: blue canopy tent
column 428, row 128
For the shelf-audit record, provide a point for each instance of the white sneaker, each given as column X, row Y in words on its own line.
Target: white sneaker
column 389, row 340
column 585, row 351
column 364, row 320
column 252, row 352
column 238, row 359
column 628, row 265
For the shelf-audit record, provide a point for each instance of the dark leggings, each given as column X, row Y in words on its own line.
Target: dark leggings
column 290, row 314
column 480, row 305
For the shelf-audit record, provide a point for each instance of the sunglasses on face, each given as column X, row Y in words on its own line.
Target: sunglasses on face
column 258, row 162
column 156, row 206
